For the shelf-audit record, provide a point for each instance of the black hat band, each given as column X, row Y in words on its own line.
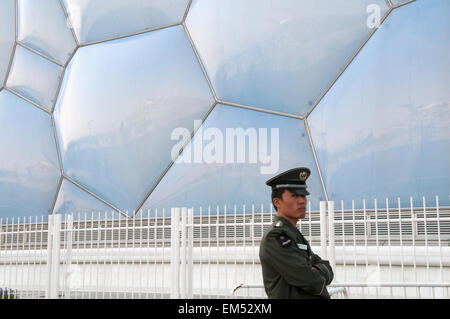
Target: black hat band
column 290, row 186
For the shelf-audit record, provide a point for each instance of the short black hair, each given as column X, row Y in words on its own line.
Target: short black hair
column 276, row 193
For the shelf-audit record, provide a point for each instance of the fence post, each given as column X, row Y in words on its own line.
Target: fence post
column 175, row 253
column 323, row 230
column 183, row 253
column 190, row 244
column 331, row 234
column 49, row 255
column 53, row 254
column 182, row 262
column 69, row 228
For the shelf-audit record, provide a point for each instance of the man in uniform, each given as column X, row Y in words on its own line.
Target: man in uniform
column 290, row 268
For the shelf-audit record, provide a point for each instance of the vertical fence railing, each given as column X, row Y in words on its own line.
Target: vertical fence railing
column 405, row 250
column 53, row 256
column 182, row 222
column 323, row 230
column 331, row 241
column 175, row 254
column 378, row 250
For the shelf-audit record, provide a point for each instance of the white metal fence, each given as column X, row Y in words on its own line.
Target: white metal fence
column 390, row 252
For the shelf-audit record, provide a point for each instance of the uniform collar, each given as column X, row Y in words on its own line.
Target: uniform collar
column 293, row 229
column 286, row 222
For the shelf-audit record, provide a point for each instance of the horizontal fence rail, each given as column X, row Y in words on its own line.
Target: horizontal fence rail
column 382, row 252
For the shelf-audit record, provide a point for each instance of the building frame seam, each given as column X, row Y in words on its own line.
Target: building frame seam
column 146, row 30
column 69, row 21
column 200, row 62
column 403, row 4
column 27, row 99
column 11, row 59
column 40, row 54
column 166, row 170
column 316, row 161
column 262, row 110
column 188, row 7
column 55, row 199
column 94, row 195
column 347, row 64
column 58, row 149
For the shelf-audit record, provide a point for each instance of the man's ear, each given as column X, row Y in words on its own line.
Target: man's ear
column 276, row 201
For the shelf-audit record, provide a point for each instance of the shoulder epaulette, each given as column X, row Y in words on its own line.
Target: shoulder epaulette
column 278, row 224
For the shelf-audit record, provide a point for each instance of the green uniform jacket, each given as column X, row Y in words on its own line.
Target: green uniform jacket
column 287, row 261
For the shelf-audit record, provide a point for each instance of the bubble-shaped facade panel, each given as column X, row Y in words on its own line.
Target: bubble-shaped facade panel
column 7, row 35
column 119, row 102
column 278, row 55
column 34, row 77
column 42, row 25
column 231, row 157
column 29, row 168
column 73, row 200
column 382, row 131
column 96, row 20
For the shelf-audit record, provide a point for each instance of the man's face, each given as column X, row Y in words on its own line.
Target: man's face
column 291, row 206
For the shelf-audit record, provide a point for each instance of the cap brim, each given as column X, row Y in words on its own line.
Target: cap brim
column 299, row 191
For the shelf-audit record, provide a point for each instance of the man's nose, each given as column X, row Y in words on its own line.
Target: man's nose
column 301, row 199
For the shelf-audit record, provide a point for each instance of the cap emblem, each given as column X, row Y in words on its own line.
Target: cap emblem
column 302, row 176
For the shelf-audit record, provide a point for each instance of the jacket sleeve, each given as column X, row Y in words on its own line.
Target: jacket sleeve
column 291, row 264
column 324, row 267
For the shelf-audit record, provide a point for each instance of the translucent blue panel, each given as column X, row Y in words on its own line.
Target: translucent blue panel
column 119, row 102
column 73, row 200
column 34, row 77
column 383, row 129
column 7, row 34
column 216, row 174
column 279, row 55
column 102, row 19
column 43, row 27
column 29, row 169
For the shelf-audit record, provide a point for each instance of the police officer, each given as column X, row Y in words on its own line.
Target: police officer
column 290, row 268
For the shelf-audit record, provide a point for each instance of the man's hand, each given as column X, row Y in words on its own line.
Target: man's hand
column 325, row 272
